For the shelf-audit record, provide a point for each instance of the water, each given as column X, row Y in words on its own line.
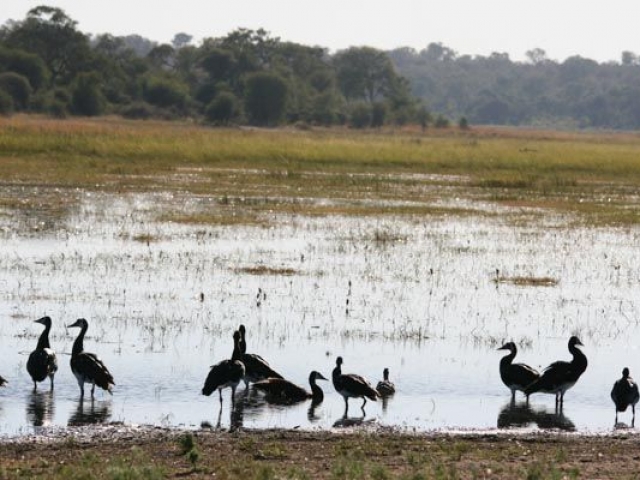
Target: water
column 416, row 295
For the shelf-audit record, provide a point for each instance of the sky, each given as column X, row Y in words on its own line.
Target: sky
column 562, row 28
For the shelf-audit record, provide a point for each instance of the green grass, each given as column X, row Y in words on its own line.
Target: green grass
column 250, row 173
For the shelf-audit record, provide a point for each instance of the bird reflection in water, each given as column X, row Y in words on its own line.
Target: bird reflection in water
column 515, row 414
column 312, row 416
column 40, row 408
column 92, row 413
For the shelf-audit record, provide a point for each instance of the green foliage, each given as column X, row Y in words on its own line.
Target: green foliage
column 463, row 123
column 86, row 96
column 378, row 114
column 6, row 103
column 165, row 92
column 189, row 448
column 360, row 115
column 223, row 109
column 441, row 122
column 18, row 87
column 138, row 111
column 265, row 98
column 24, row 63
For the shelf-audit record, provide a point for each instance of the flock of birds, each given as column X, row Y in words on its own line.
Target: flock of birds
column 245, row 367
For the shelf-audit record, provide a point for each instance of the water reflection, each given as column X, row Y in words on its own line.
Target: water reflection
column 40, row 408
column 311, row 413
column 515, row 414
column 94, row 413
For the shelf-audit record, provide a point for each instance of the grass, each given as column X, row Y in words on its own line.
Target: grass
column 306, row 455
column 254, row 174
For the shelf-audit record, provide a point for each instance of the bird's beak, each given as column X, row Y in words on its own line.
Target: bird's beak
column 503, row 347
column 40, row 321
column 319, row 376
column 74, row 324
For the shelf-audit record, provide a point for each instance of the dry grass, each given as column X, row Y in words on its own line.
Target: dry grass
column 260, row 173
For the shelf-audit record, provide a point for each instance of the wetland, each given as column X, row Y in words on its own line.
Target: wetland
column 422, row 253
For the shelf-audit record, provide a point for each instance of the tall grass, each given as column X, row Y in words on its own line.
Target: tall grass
column 541, row 169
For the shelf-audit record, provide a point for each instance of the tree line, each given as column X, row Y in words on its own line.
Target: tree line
column 249, row 77
column 575, row 93
column 246, row 77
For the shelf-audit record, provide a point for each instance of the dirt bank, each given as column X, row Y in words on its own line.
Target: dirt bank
column 154, row 453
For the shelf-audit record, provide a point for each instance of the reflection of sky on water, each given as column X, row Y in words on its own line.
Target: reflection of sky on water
column 420, row 301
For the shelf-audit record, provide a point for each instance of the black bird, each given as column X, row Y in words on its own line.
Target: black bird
column 385, row 386
column 226, row 373
column 560, row 376
column 281, row 390
column 42, row 362
column 256, row 367
column 242, row 344
column 351, row 385
column 625, row 393
column 87, row 367
column 3, row 382
column 516, row 376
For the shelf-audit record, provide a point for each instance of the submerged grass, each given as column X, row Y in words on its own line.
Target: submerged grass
column 325, row 172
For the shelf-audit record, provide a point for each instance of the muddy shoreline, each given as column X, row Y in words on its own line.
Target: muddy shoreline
column 148, row 452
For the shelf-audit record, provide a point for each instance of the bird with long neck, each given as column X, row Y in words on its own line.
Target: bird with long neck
column 227, row 373
column 351, row 385
column 42, row 362
column 385, row 386
column 86, row 366
column 516, row 376
column 560, row 376
column 256, row 367
column 625, row 393
column 279, row 390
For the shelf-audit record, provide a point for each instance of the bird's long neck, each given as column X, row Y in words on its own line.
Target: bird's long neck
column 78, row 345
column 579, row 358
column 316, row 392
column 237, row 353
column 385, row 376
column 336, row 374
column 507, row 359
column 43, row 341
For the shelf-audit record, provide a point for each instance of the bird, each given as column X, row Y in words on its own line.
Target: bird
column 42, row 362
column 516, row 376
column 3, row 382
column 226, row 373
column 560, row 376
column 87, row 367
column 281, row 390
column 625, row 393
column 256, row 367
column 351, row 385
column 242, row 344
column 385, row 386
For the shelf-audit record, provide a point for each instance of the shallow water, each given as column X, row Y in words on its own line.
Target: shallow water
column 416, row 295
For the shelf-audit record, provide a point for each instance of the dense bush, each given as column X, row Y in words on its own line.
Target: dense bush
column 18, row 87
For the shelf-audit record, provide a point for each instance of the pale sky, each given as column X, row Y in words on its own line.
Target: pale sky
column 597, row 30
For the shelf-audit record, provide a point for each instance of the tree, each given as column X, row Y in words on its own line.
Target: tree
column 165, row 92
column 265, row 98
column 86, row 97
column 365, row 73
column 218, row 63
column 537, row 56
column 181, row 40
column 52, row 35
column 24, row 63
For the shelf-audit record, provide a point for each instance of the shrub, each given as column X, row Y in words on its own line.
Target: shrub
column 18, row 87
column 222, row 109
column 6, row 103
column 86, row 97
column 360, row 115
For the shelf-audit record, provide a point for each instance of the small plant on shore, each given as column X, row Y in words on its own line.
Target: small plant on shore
column 189, row 449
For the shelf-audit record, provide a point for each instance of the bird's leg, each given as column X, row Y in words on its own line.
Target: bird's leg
column 233, row 395
column 513, row 397
column 93, row 389
column 35, row 386
column 51, row 378
column 364, row 403
column 346, row 406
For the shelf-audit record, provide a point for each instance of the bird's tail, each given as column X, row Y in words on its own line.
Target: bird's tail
column 533, row 387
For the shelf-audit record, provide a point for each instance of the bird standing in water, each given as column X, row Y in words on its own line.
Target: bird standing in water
column 625, row 393
column 385, row 386
column 352, row 385
column 87, row 367
column 226, row 373
column 42, row 362
column 516, row 376
column 560, row 376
